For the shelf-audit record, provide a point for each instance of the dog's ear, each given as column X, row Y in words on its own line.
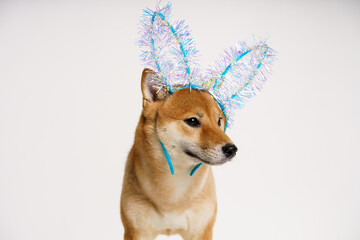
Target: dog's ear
column 151, row 93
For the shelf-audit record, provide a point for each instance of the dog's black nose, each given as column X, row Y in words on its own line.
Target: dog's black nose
column 229, row 150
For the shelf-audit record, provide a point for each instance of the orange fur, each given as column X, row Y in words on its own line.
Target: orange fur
column 153, row 201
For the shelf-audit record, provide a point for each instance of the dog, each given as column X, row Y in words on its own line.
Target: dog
column 190, row 125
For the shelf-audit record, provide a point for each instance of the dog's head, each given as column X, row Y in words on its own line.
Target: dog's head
column 189, row 123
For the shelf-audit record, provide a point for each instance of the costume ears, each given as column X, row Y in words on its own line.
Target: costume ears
column 168, row 49
column 151, row 92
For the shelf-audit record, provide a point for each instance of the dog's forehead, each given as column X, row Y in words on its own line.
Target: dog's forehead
column 184, row 101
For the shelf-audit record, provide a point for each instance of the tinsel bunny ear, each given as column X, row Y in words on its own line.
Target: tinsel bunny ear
column 168, row 49
column 238, row 75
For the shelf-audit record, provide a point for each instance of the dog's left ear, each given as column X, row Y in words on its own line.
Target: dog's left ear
column 148, row 88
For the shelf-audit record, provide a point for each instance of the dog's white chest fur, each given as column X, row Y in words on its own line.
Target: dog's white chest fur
column 188, row 221
column 195, row 217
column 170, row 221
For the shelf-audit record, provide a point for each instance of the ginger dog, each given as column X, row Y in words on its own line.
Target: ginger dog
column 190, row 125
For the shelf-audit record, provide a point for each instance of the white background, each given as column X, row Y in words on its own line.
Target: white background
column 70, row 101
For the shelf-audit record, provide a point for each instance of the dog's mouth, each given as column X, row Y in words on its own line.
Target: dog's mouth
column 202, row 160
column 195, row 156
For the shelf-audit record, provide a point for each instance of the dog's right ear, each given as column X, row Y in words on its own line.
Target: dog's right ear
column 148, row 89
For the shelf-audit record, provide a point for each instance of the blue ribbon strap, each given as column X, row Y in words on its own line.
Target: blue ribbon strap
column 167, row 158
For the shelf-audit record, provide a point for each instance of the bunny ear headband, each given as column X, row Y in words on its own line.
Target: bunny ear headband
column 169, row 50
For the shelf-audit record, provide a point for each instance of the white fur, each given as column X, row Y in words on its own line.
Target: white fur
column 189, row 221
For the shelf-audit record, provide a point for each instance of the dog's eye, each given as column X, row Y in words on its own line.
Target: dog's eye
column 219, row 122
column 193, row 122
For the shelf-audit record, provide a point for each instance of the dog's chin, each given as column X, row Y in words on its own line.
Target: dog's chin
column 214, row 162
